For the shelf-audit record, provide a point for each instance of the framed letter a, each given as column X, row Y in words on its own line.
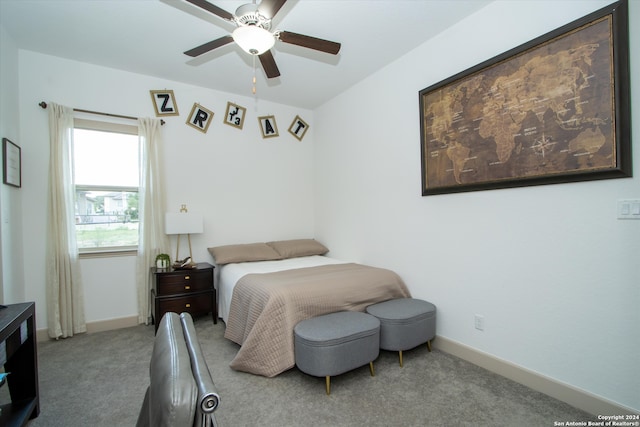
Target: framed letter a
column 268, row 126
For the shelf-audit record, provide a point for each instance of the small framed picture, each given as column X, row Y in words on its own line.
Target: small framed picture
column 164, row 103
column 12, row 166
column 235, row 115
column 298, row 128
column 200, row 118
column 268, row 126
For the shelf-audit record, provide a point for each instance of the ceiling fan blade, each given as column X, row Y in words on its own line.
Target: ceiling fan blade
column 310, row 42
column 203, row 4
column 197, row 51
column 269, row 64
column 269, row 8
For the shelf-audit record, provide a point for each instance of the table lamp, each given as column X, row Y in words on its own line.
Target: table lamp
column 181, row 223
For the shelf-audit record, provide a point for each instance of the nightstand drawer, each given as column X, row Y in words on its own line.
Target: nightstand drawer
column 180, row 283
column 194, row 304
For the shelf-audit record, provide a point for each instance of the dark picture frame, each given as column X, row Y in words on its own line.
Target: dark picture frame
column 12, row 163
column 553, row 110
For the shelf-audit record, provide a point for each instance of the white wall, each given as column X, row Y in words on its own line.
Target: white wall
column 11, row 266
column 552, row 270
column 248, row 188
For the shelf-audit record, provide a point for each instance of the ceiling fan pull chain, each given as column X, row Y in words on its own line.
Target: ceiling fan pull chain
column 254, row 74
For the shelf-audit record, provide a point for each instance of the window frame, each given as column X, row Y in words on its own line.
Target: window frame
column 113, row 127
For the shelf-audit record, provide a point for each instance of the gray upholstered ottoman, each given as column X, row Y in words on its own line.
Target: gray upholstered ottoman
column 335, row 343
column 405, row 323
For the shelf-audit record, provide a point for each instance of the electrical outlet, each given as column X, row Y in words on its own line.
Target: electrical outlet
column 479, row 322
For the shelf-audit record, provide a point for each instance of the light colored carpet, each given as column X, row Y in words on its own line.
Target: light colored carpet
column 99, row 380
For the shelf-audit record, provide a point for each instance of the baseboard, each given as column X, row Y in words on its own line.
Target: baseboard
column 576, row 397
column 97, row 326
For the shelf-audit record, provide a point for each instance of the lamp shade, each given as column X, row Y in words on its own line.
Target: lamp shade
column 253, row 39
column 183, row 223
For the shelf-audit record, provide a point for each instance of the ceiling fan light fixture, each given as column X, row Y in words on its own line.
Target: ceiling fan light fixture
column 253, row 39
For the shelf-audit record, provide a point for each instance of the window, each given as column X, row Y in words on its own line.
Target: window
column 106, row 177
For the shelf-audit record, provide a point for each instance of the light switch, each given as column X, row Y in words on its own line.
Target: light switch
column 629, row 209
column 626, row 208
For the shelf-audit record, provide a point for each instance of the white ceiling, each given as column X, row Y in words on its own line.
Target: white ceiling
column 150, row 36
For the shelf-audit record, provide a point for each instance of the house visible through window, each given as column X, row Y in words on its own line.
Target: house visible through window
column 106, row 177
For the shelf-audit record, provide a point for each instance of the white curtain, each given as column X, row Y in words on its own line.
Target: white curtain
column 152, row 239
column 65, row 299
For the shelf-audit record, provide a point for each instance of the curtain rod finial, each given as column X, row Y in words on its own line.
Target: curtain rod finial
column 43, row 104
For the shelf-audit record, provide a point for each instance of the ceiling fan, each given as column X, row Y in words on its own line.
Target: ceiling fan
column 253, row 33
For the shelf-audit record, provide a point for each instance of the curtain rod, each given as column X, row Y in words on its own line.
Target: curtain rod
column 44, row 106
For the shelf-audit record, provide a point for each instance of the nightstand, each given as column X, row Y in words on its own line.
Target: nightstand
column 190, row 290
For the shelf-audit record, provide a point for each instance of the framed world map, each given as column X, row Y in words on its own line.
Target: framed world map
column 553, row 110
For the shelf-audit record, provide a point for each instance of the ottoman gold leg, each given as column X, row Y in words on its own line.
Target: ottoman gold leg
column 400, row 354
column 327, row 381
column 429, row 345
column 373, row 373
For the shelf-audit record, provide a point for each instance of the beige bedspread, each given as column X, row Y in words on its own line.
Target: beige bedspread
column 265, row 308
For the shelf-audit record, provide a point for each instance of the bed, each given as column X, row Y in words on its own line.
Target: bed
column 263, row 294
